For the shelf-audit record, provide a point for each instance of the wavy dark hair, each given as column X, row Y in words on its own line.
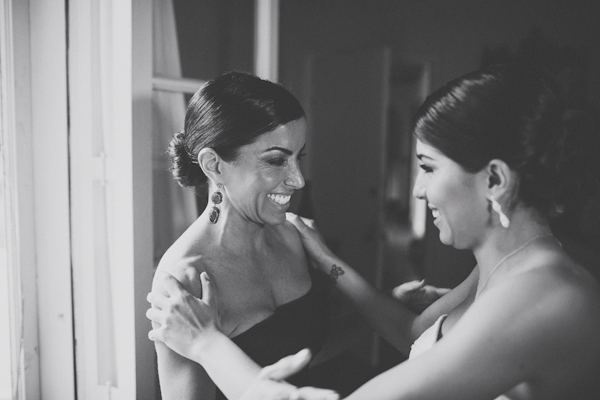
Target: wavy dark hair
column 228, row 112
column 516, row 113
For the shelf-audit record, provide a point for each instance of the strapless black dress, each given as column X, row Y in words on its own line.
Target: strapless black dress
column 301, row 323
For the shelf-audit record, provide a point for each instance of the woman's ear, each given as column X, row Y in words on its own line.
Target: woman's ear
column 500, row 178
column 210, row 163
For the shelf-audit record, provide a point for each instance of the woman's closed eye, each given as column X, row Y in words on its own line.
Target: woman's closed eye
column 278, row 161
column 426, row 168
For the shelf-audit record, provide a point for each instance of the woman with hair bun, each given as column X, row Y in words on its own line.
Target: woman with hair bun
column 244, row 138
column 499, row 157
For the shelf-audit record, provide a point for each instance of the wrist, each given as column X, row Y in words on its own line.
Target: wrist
column 326, row 261
column 203, row 350
column 226, row 364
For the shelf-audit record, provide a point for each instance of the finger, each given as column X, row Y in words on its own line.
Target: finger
column 442, row 291
column 308, row 222
column 154, row 335
column 297, row 221
column 155, row 315
column 294, row 395
column 171, row 285
column 287, row 366
column 207, row 289
column 311, row 393
column 407, row 288
column 158, row 300
column 414, row 285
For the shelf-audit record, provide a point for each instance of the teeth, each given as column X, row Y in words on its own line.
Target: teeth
column 435, row 213
column 279, row 198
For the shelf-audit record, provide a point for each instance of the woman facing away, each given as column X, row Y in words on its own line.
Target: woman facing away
column 244, row 138
column 499, row 156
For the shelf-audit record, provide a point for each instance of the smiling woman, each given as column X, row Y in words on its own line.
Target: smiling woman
column 244, row 138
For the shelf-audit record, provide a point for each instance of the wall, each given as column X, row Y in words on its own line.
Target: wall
column 451, row 34
column 215, row 36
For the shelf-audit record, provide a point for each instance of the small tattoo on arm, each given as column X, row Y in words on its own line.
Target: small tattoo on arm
column 335, row 273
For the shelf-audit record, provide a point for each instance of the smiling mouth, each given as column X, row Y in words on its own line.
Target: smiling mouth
column 279, row 199
column 435, row 213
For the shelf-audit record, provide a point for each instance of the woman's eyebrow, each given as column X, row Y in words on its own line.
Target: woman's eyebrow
column 284, row 150
column 422, row 156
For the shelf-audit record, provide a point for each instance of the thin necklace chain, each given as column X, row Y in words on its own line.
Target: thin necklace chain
column 512, row 253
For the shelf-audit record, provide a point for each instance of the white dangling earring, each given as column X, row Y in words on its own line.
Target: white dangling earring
column 504, row 221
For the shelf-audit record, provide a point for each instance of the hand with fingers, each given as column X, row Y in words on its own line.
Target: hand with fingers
column 312, row 240
column 180, row 320
column 270, row 384
column 417, row 295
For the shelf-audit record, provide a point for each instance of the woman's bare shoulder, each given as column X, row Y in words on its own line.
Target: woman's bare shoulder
column 185, row 267
column 554, row 302
column 563, row 280
column 289, row 235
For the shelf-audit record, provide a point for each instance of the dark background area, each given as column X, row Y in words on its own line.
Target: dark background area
column 216, row 36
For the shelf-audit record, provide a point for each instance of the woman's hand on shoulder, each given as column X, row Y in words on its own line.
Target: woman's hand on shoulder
column 184, row 322
column 186, row 270
column 313, row 242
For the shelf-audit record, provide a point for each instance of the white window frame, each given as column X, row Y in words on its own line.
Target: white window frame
column 266, row 51
column 48, row 124
column 34, row 84
column 110, row 83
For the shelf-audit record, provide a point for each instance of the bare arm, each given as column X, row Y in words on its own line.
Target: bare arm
column 509, row 335
column 189, row 326
column 395, row 322
column 179, row 377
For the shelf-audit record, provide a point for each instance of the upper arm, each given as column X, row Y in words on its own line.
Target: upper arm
column 446, row 303
column 179, row 377
column 509, row 335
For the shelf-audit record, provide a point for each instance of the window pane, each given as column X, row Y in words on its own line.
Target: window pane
column 215, row 36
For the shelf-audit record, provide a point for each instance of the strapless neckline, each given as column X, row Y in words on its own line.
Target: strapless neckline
column 282, row 308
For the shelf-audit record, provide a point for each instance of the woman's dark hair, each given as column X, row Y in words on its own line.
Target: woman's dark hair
column 515, row 113
column 228, row 112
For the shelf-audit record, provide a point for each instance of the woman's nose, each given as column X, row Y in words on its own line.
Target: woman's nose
column 419, row 188
column 295, row 178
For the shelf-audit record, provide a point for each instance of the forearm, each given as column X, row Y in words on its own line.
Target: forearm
column 227, row 365
column 180, row 378
column 390, row 318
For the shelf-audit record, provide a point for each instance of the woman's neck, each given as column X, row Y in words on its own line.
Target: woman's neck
column 501, row 246
column 233, row 232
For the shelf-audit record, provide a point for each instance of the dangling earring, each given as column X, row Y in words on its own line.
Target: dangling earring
column 216, row 198
column 504, row 221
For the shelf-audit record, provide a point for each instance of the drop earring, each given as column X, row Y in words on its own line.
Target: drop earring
column 216, row 198
column 504, row 221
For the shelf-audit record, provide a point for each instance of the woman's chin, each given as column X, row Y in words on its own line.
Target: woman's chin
column 274, row 219
column 446, row 238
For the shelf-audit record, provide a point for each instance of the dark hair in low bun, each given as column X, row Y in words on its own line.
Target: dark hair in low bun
column 515, row 113
column 185, row 170
column 228, row 112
